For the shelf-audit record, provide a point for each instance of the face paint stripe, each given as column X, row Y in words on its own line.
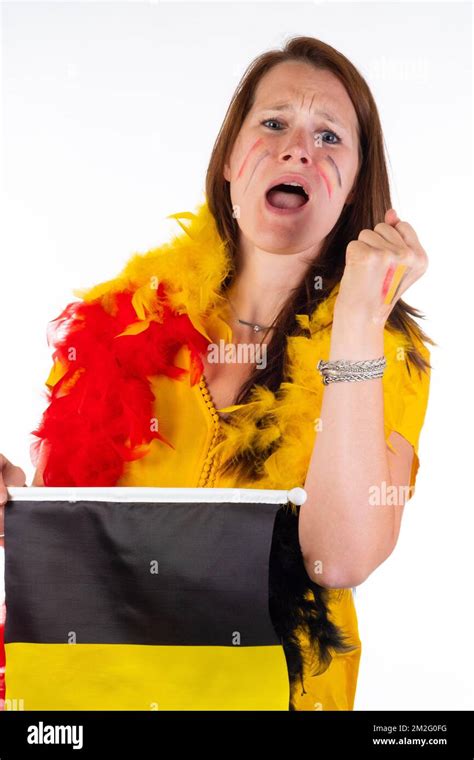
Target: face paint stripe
column 326, row 181
column 387, row 281
column 266, row 153
column 392, row 282
column 260, row 139
column 330, row 158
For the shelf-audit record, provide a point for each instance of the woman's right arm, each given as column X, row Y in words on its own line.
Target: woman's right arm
column 12, row 475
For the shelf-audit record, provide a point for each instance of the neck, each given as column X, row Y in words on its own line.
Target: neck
column 263, row 283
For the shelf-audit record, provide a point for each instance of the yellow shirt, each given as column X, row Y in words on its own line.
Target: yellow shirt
column 188, row 418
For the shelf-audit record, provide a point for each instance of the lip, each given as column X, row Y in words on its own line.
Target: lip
column 292, row 177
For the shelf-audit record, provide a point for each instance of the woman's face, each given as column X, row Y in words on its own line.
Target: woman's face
column 296, row 140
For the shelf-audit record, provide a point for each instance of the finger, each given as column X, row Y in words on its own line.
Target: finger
column 406, row 231
column 13, row 475
column 391, row 217
column 375, row 240
column 389, row 233
column 3, row 490
column 10, row 475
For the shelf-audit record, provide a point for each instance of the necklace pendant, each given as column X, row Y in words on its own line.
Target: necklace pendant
column 255, row 328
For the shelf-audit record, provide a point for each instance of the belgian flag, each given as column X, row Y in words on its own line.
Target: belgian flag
column 142, row 599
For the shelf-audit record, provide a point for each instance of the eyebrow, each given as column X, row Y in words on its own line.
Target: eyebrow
column 317, row 112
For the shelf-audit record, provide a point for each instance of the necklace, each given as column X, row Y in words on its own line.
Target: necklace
column 254, row 325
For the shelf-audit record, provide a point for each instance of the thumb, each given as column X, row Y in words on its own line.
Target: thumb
column 403, row 228
column 391, row 217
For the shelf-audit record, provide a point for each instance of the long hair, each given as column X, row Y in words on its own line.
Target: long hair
column 371, row 195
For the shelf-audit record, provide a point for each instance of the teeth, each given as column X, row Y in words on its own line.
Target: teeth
column 297, row 184
column 294, row 184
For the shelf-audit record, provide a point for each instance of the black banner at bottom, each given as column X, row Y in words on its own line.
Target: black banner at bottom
column 375, row 733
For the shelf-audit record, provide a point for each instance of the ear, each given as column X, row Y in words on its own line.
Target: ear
column 226, row 172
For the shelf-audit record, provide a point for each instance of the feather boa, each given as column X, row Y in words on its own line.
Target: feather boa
column 121, row 332
column 108, row 344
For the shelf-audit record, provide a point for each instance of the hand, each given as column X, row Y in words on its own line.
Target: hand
column 380, row 266
column 10, row 475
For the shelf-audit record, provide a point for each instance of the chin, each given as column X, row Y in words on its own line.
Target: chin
column 280, row 242
column 280, row 235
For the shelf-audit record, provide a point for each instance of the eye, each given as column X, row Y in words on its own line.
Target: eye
column 274, row 121
column 280, row 126
column 330, row 132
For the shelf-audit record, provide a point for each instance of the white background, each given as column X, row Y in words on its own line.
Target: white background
column 110, row 111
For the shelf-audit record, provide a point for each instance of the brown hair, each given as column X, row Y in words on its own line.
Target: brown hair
column 371, row 199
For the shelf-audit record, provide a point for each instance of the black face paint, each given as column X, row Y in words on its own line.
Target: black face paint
column 337, row 170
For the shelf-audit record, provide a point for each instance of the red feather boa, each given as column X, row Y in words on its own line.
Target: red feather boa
column 101, row 410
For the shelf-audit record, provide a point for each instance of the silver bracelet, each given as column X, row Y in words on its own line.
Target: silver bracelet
column 343, row 370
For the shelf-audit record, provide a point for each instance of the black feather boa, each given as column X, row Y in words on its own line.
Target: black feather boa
column 292, row 609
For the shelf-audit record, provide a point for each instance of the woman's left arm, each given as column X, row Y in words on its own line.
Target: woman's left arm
column 343, row 535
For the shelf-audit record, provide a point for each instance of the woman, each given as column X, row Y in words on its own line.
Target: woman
column 296, row 255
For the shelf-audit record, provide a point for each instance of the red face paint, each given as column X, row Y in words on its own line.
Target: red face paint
column 393, row 280
column 258, row 142
column 388, row 279
column 261, row 157
column 326, row 180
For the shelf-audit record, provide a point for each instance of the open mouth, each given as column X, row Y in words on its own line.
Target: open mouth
column 287, row 196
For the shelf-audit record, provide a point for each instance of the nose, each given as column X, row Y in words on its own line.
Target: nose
column 297, row 148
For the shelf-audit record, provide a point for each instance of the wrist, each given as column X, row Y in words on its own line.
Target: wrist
column 355, row 337
column 358, row 316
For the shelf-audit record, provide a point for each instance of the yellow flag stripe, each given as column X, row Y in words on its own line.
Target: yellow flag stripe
column 138, row 677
